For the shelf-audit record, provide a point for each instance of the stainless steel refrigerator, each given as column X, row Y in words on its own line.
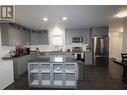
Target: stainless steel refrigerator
column 100, row 50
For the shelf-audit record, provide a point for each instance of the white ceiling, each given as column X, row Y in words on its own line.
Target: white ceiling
column 79, row 16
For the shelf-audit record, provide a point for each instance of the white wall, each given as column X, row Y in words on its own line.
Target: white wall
column 41, row 47
column 0, row 36
column 118, row 38
column 4, row 50
column 115, row 41
column 124, row 49
column 69, row 46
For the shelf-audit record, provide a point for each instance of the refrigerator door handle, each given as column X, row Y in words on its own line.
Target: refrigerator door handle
column 102, row 46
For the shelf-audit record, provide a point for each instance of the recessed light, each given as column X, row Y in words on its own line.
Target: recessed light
column 122, row 14
column 64, row 18
column 45, row 19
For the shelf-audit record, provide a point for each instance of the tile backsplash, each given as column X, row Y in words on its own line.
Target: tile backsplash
column 5, row 49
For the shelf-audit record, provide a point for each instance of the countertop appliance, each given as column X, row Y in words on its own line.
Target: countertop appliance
column 100, row 50
column 77, row 49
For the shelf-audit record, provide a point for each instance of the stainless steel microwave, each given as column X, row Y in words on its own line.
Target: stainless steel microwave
column 77, row 40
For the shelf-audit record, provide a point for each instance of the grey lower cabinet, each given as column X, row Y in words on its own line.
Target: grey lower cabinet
column 52, row 75
column 88, row 58
column 80, row 70
column 20, row 64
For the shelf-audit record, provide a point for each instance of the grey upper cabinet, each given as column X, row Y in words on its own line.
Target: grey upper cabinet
column 86, row 36
column 43, row 37
column 34, row 38
column 71, row 33
column 39, row 37
column 4, row 34
column 27, row 38
column 68, row 36
column 17, row 36
column 99, row 31
column 12, row 34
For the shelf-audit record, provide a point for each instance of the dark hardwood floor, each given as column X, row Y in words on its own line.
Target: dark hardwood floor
column 95, row 78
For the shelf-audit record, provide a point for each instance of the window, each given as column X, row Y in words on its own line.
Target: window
column 57, row 37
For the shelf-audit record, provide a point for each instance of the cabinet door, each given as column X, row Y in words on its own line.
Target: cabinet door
column 25, row 37
column 34, row 38
column 33, row 74
column 86, row 37
column 58, row 74
column 21, row 66
column 13, row 36
column 70, row 75
column 43, row 38
column 88, row 58
column 68, row 37
column 18, row 35
column 4, row 34
column 100, row 31
column 39, row 38
column 80, row 71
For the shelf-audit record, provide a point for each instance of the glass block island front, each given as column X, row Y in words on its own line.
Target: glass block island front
column 53, row 72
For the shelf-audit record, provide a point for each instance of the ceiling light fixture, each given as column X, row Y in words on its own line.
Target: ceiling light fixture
column 45, row 19
column 64, row 18
column 122, row 14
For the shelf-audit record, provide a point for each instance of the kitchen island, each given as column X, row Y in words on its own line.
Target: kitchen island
column 53, row 72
